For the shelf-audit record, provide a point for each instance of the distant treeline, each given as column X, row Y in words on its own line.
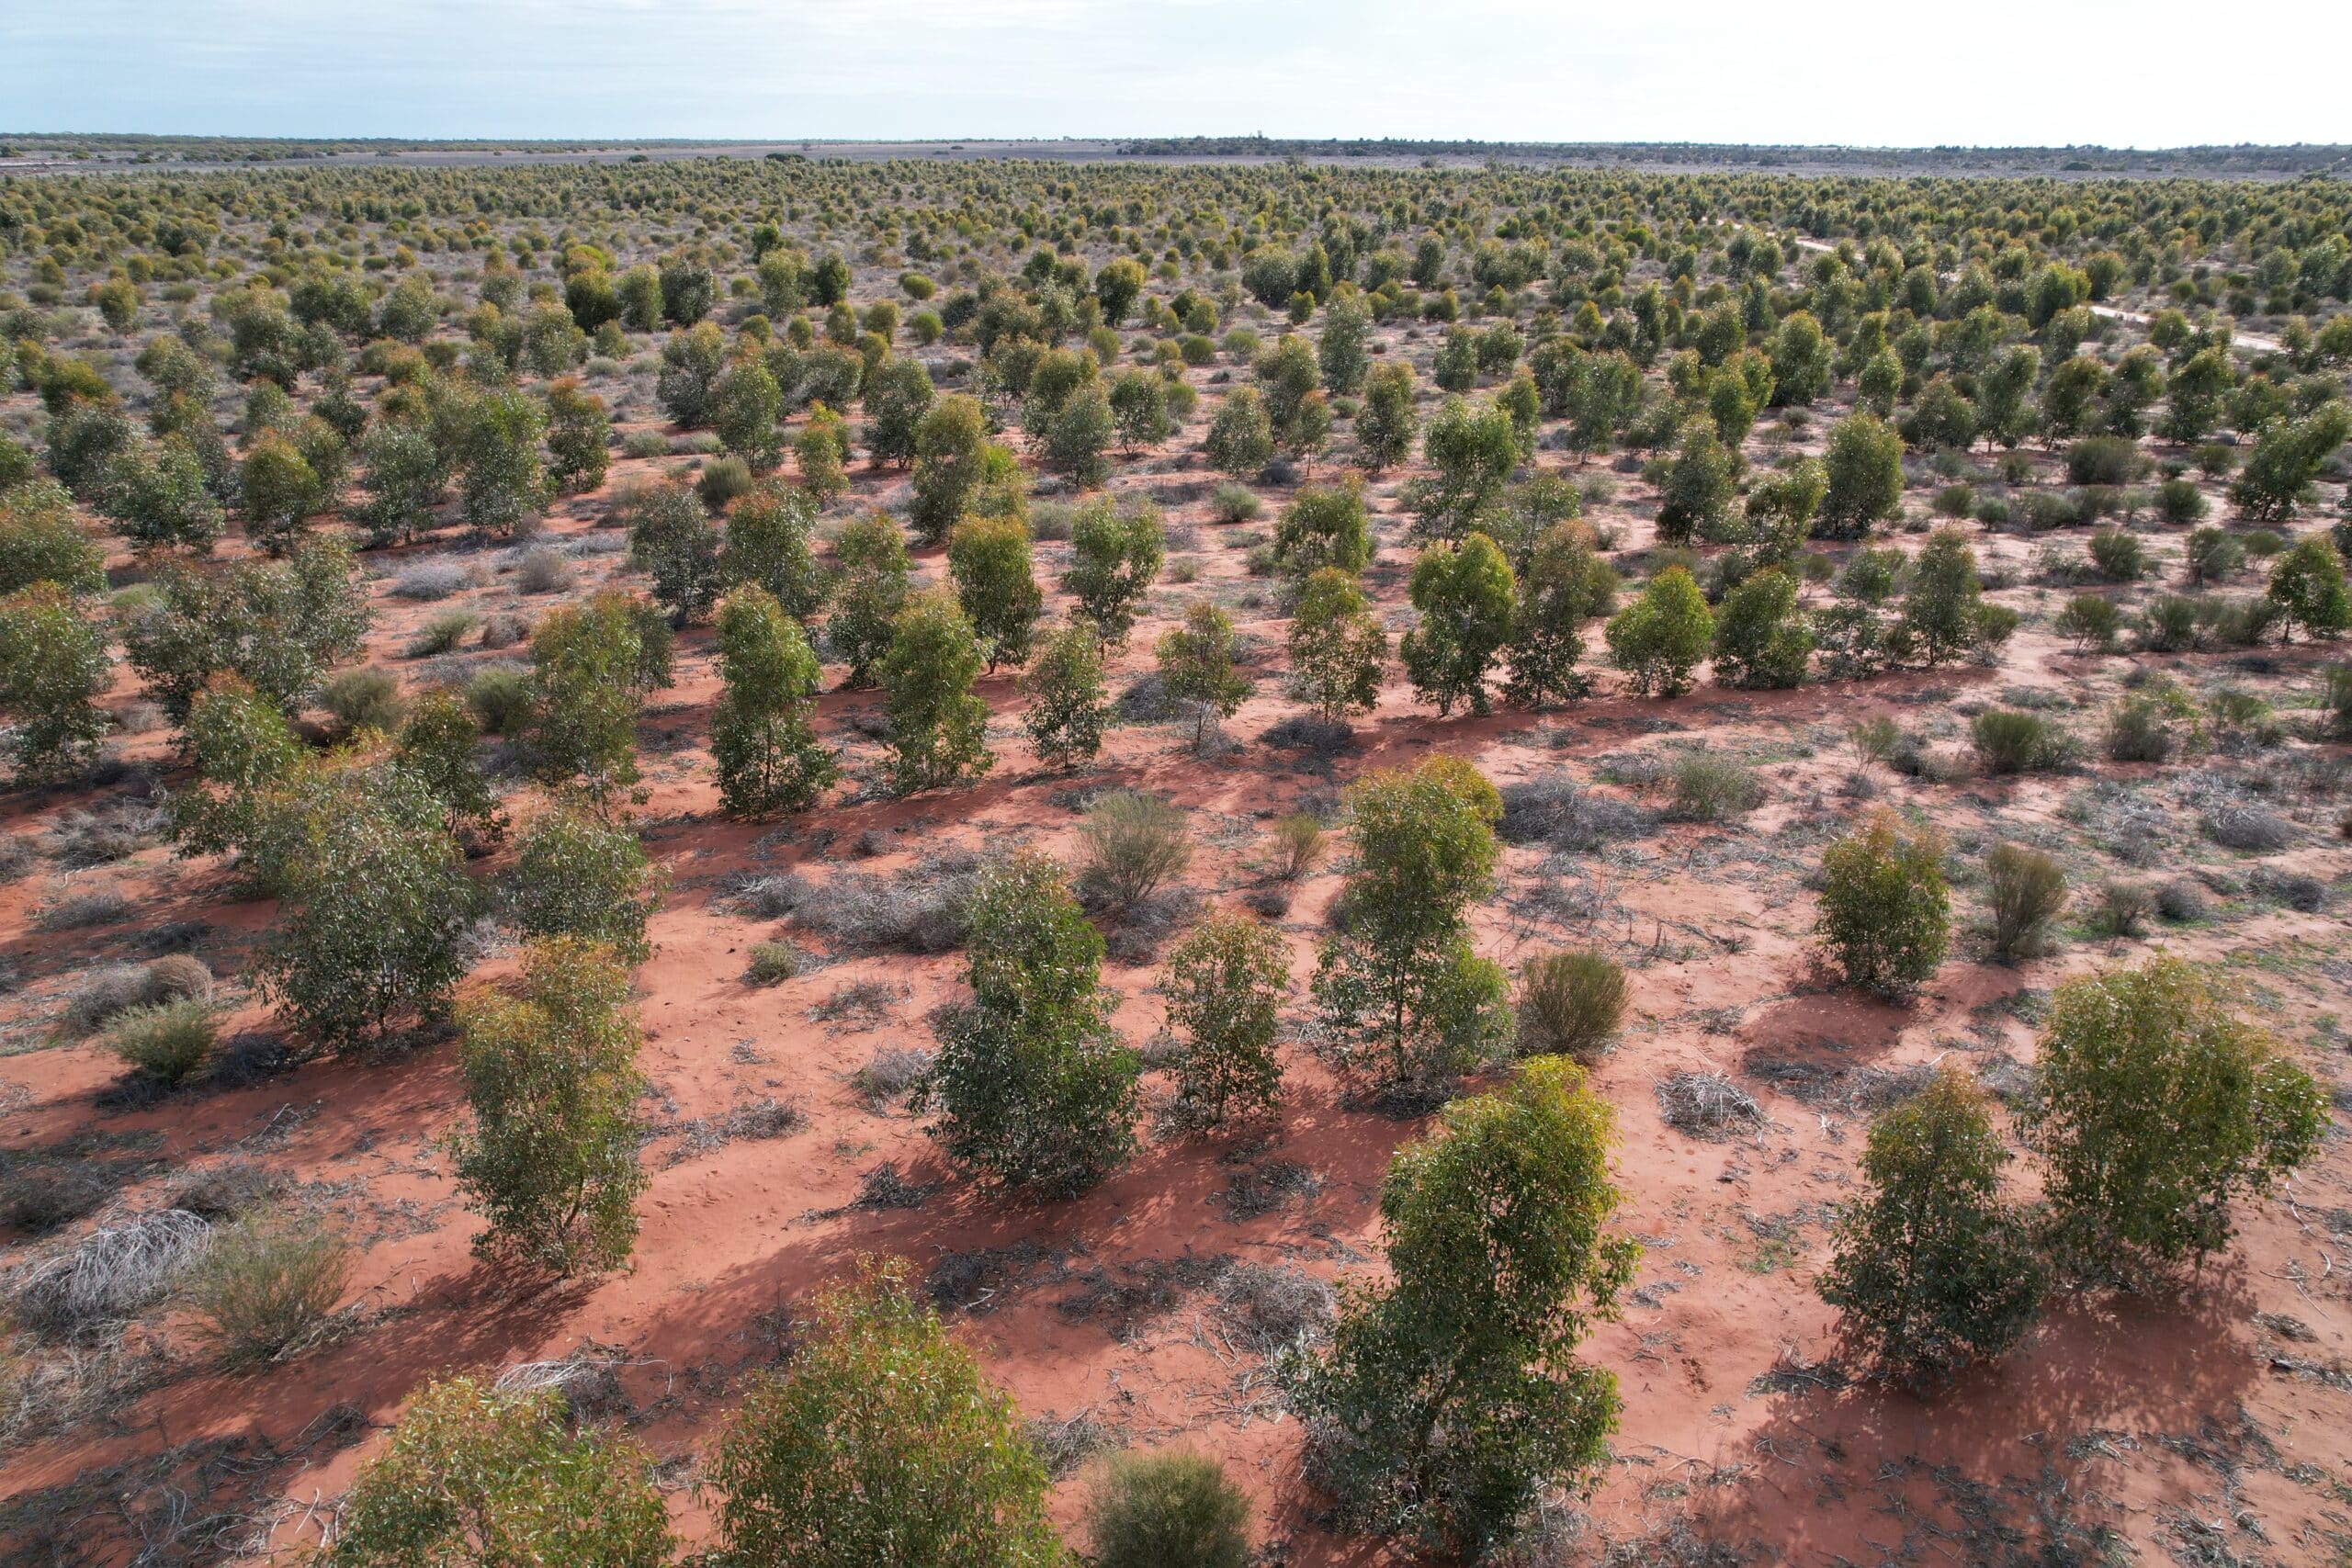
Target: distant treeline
column 2244, row 159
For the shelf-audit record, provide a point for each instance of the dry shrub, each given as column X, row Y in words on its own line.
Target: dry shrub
column 269, row 1284
column 918, row 911
column 1272, row 1305
column 1133, row 842
column 1569, row 1004
column 2027, row 890
column 2122, row 909
column 775, row 962
column 224, row 1192
column 110, row 1274
column 892, row 1073
column 1708, row 1105
column 1709, row 789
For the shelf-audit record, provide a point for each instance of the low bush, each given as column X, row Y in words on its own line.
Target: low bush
column 2027, row 890
column 2122, row 909
column 543, row 570
column 1709, row 789
column 1885, row 913
column 1170, row 1509
column 1234, row 503
column 2010, row 742
column 442, row 633
column 1300, row 842
column 165, row 1043
column 363, row 699
column 269, row 1282
column 432, row 580
column 1132, row 844
column 773, row 963
column 1569, row 1005
column 501, row 698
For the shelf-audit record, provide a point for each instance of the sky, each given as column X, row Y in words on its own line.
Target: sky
column 2119, row 72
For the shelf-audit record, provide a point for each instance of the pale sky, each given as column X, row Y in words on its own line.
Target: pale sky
column 2123, row 72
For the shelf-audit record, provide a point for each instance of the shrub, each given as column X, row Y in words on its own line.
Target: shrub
column 2091, row 620
column 269, row 1284
column 2027, row 890
column 1225, row 984
column 1171, row 1509
column 1569, row 1005
column 2010, row 742
column 550, row 1159
column 363, row 699
column 1064, row 683
column 2181, row 502
column 1398, row 991
column 591, row 665
column 500, row 697
column 1761, row 641
column 2157, row 1104
column 1709, row 788
column 165, row 1042
column 880, row 1443
column 54, row 667
column 1885, row 914
column 2119, row 555
column 577, row 876
column 1930, row 1270
column 1447, row 1399
column 440, row 634
column 1132, row 842
column 2307, row 586
column 772, row 962
column 1299, row 845
column 2104, row 461
column 2122, row 909
column 1032, row 1088
column 1234, row 503
column 474, row 1472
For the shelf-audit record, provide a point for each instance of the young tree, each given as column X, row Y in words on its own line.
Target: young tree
column 1139, row 409
column 501, row 484
column 938, row 726
column 375, row 903
column 1077, row 436
column 1863, row 465
column 1695, row 500
column 281, row 490
column 1930, row 1271
column 577, row 876
column 2307, row 585
column 878, row 1443
column 1465, row 594
column 1240, row 439
column 948, row 443
column 550, row 1160
column 580, row 436
column 1323, row 526
column 1659, row 637
column 1398, row 991
column 1196, row 667
column 1762, row 640
column 1032, row 1088
column 160, row 495
column 405, row 473
column 871, row 552
column 475, row 1473
column 1885, row 912
column 2288, row 453
column 1944, row 614
column 1387, row 423
column 1563, row 584
column 822, row 451
column 591, row 665
column 41, row 541
column 1474, row 452
column 1064, row 686
column 771, row 545
column 1337, row 645
column 438, row 742
column 989, row 558
column 898, row 398
column 1800, row 361
column 744, row 405
column 1448, row 1399
column 54, row 667
column 1224, row 985
column 280, row 626
column 672, row 540
column 2158, row 1104
column 1115, row 553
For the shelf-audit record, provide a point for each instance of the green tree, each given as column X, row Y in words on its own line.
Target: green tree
column 579, row 435
column 2307, row 586
column 1139, row 409
column 439, row 742
column 405, row 473
column 1659, row 637
column 1930, row 1270
column 280, row 626
column 575, row 876
column 672, row 540
column 1398, row 992
column 281, row 492
column 771, row 545
column 822, row 451
column 1077, row 436
column 1448, row 1399
column 53, row 668
column 1116, row 288
column 1115, row 553
column 1885, row 912
column 1337, row 645
column 1065, row 687
column 938, row 726
column 1944, row 614
column 1696, row 498
column 501, row 484
column 760, row 738
column 1323, row 526
column 1563, row 584
column 949, row 441
column 1032, row 1088
column 1800, row 361
column 1341, row 352
column 550, row 1159
column 1762, row 640
column 591, row 665
column 1224, row 985
column 1465, row 596
column 41, row 541
column 479, row 1474
column 879, row 1443
column 744, row 405
column 2158, row 1104
column 898, row 398
column 1863, row 465
column 872, row 554
column 691, row 364
column 1474, row 451
column 1241, row 438
column 1196, row 668
column 162, row 497
column 1387, row 423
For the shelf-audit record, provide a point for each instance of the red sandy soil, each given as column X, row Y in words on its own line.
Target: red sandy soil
column 2198, row 1424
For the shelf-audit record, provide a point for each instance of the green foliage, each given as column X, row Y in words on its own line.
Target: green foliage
column 1762, row 642
column 475, row 1473
column 40, row 541
column 1944, row 614
column 438, row 744
column 502, row 486
column 280, row 626
column 2288, row 453
column 2307, row 585
column 1032, row 1088
column 672, row 540
column 1695, row 498
column 575, row 876
column 2158, row 1104
column 1168, row 1510
column 1563, row 584
column 989, row 558
column 591, row 665
column 1569, row 1004
column 1399, row 994
column 1885, row 913
column 1337, row 645
column 949, row 440
column 2026, row 889
column 1659, row 637
column 1386, row 424
column 1116, row 554
column 53, row 668
column 268, row 1284
column 1224, row 985
column 769, row 545
column 880, row 1443
column 871, row 552
column 761, row 738
column 376, row 905
column 1241, row 438
column 938, row 726
column 1465, row 596
column 1864, row 467
column 164, row 1042
column 744, row 405
column 1930, row 1272
column 1473, row 452
column 405, row 473
column 1196, row 668
column 2007, row 741
column 550, row 1158
column 1448, row 1400
column 1323, row 525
